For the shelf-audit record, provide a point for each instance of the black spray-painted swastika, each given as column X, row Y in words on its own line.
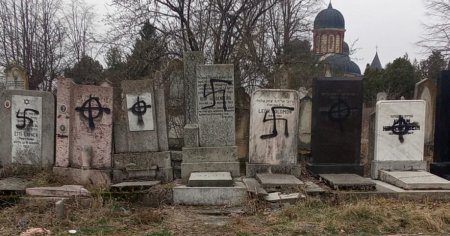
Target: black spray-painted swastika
column 27, row 122
column 213, row 92
column 274, row 121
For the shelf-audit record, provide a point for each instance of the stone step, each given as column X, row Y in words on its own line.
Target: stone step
column 281, row 197
column 133, row 186
column 254, row 187
column 210, row 179
column 63, row 191
column 279, row 182
column 348, row 182
column 414, row 180
column 210, row 196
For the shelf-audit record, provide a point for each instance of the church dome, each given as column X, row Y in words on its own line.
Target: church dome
column 329, row 18
column 340, row 63
column 345, row 49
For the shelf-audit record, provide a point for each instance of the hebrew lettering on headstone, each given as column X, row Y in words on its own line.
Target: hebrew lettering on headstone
column 92, row 111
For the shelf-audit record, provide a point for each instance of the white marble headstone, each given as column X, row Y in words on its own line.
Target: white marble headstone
column 399, row 130
column 274, row 129
column 140, row 112
column 26, row 128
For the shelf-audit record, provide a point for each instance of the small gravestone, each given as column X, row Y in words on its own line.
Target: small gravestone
column 16, row 78
column 27, row 129
column 140, row 133
column 336, row 126
column 304, row 133
column 399, row 136
column 273, row 132
column 84, row 132
column 441, row 159
column 382, row 96
column 426, row 90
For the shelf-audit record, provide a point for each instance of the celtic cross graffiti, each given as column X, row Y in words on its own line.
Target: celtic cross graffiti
column 91, row 110
column 339, row 112
column 27, row 122
column 213, row 92
column 401, row 127
column 139, row 109
column 274, row 122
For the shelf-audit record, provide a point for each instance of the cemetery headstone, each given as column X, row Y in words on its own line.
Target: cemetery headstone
column 27, row 130
column 191, row 61
column 140, row 133
column 273, row 132
column 382, row 96
column 426, row 90
column 84, row 132
column 441, row 160
column 399, row 136
column 336, row 126
column 305, row 123
column 16, row 78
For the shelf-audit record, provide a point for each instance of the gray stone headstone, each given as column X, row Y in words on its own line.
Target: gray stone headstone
column 399, row 135
column 426, row 90
column 191, row 61
column 216, row 108
column 28, row 121
column 141, row 125
column 274, row 127
column 305, row 117
column 382, row 96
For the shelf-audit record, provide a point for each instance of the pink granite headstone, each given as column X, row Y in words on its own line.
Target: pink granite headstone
column 84, row 125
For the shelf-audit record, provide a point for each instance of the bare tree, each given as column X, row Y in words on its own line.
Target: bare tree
column 437, row 36
column 32, row 36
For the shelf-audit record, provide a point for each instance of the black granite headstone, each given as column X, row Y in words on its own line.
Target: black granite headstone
column 441, row 165
column 336, row 126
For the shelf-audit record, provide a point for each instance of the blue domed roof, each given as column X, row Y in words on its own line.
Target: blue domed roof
column 345, row 49
column 329, row 18
column 341, row 62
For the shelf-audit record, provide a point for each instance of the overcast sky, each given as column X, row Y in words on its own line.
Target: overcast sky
column 393, row 25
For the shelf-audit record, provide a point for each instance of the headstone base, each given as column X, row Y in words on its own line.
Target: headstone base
column 210, row 196
column 253, row 169
column 143, row 166
column 209, row 159
column 396, row 165
column 100, row 178
column 348, row 182
column 414, row 180
column 210, row 179
column 318, row 169
column 188, row 168
column 441, row 169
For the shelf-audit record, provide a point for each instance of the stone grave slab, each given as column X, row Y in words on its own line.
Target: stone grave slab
column 279, row 182
column 348, row 182
column 13, row 185
column 210, row 196
column 399, row 136
column 313, row 189
column 441, row 158
column 254, row 187
column 63, row 191
column 282, row 197
column 414, row 180
column 216, row 113
column 27, row 129
column 336, row 126
column 210, row 179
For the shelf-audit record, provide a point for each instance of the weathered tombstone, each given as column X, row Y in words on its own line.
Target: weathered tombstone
column 273, row 132
column 426, row 90
column 441, row 160
column 210, row 144
column 140, row 134
column 398, row 136
column 336, row 126
column 16, row 78
column 191, row 61
column 28, row 128
column 304, row 135
column 209, row 140
column 382, row 96
column 84, row 132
